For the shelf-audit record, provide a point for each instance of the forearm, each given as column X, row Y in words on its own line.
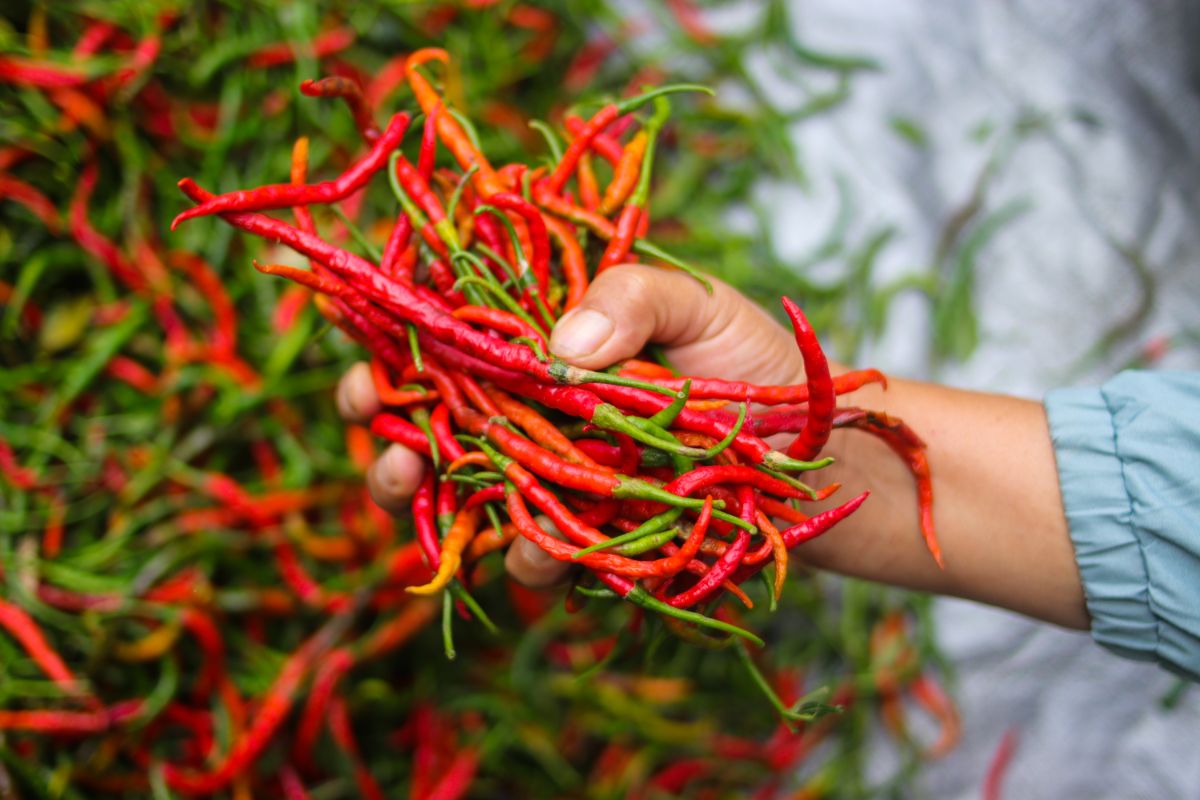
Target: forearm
column 997, row 505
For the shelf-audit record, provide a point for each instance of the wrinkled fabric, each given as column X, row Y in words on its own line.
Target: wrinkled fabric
column 1128, row 458
column 1121, row 176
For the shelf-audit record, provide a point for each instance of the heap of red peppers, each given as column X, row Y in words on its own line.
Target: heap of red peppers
column 660, row 486
column 456, row 312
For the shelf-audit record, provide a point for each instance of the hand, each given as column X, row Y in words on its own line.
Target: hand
column 719, row 335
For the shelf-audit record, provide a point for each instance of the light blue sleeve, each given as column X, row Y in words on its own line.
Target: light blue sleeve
column 1128, row 458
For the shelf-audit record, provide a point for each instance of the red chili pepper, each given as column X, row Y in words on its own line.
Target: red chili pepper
column 822, row 396
column 206, row 633
column 491, row 494
column 39, row 74
column 439, row 422
column 498, row 319
column 604, row 144
column 34, row 201
column 539, row 260
column 992, row 783
column 619, row 565
column 702, row 478
column 343, row 735
column 286, row 195
column 325, row 44
column 425, row 522
column 94, row 243
column 271, row 713
column 351, row 92
column 930, row 695
column 567, row 165
column 690, row 20
column 428, row 153
column 25, row 630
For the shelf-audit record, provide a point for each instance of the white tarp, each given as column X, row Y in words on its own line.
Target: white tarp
column 1114, row 173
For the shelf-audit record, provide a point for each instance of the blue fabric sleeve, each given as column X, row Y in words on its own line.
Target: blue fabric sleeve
column 1128, row 458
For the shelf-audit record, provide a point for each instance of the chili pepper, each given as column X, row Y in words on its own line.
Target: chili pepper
column 929, row 694
column 589, row 188
column 629, row 590
column 539, row 428
column 66, row 722
column 450, row 557
column 325, row 44
column 343, row 735
column 40, row 74
column 557, row 179
column 34, row 201
column 629, row 224
column 619, row 565
column 905, row 443
column 25, row 630
column 439, row 421
column 702, row 478
column 625, row 174
column 94, row 243
column 271, row 713
column 397, row 429
column 539, row 239
column 286, row 195
column 998, row 766
column 449, row 130
column 351, row 92
column 822, row 397
column 500, row 320
column 603, row 143
column 740, row 391
column 389, row 395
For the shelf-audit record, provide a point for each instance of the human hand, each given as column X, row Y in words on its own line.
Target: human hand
column 719, row 335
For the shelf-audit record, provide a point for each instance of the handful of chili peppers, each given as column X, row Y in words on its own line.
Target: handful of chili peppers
column 654, row 484
column 149, row 647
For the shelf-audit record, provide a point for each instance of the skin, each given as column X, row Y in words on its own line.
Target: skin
column 997, row 504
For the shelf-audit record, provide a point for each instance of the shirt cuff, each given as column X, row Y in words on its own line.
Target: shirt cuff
column 1100, row 517
column 1125, row 458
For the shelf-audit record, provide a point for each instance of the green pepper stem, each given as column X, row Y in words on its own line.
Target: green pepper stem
column 639, row 596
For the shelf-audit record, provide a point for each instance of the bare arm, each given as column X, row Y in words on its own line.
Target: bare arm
column 997, row 505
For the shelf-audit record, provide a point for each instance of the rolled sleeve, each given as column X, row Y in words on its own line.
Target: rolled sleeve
column 1128, row 459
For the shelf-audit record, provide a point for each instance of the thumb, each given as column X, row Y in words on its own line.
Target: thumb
column 722, row 333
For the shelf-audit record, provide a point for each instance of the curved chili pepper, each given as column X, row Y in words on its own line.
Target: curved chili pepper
column 349, row 91
column 450, row 557
column 34, row 201
column 822, row 397
column 286, row 195
column 450, row 132
column 574, row 265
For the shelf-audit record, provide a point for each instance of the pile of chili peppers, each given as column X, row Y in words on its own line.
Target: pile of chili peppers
column 196, row 598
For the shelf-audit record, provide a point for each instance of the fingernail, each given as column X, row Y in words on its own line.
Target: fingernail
column 580, row 333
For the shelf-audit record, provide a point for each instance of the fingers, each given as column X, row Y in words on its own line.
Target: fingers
column 357, row 400
column 529, row 564
column 394, row 478
column 722, row 333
